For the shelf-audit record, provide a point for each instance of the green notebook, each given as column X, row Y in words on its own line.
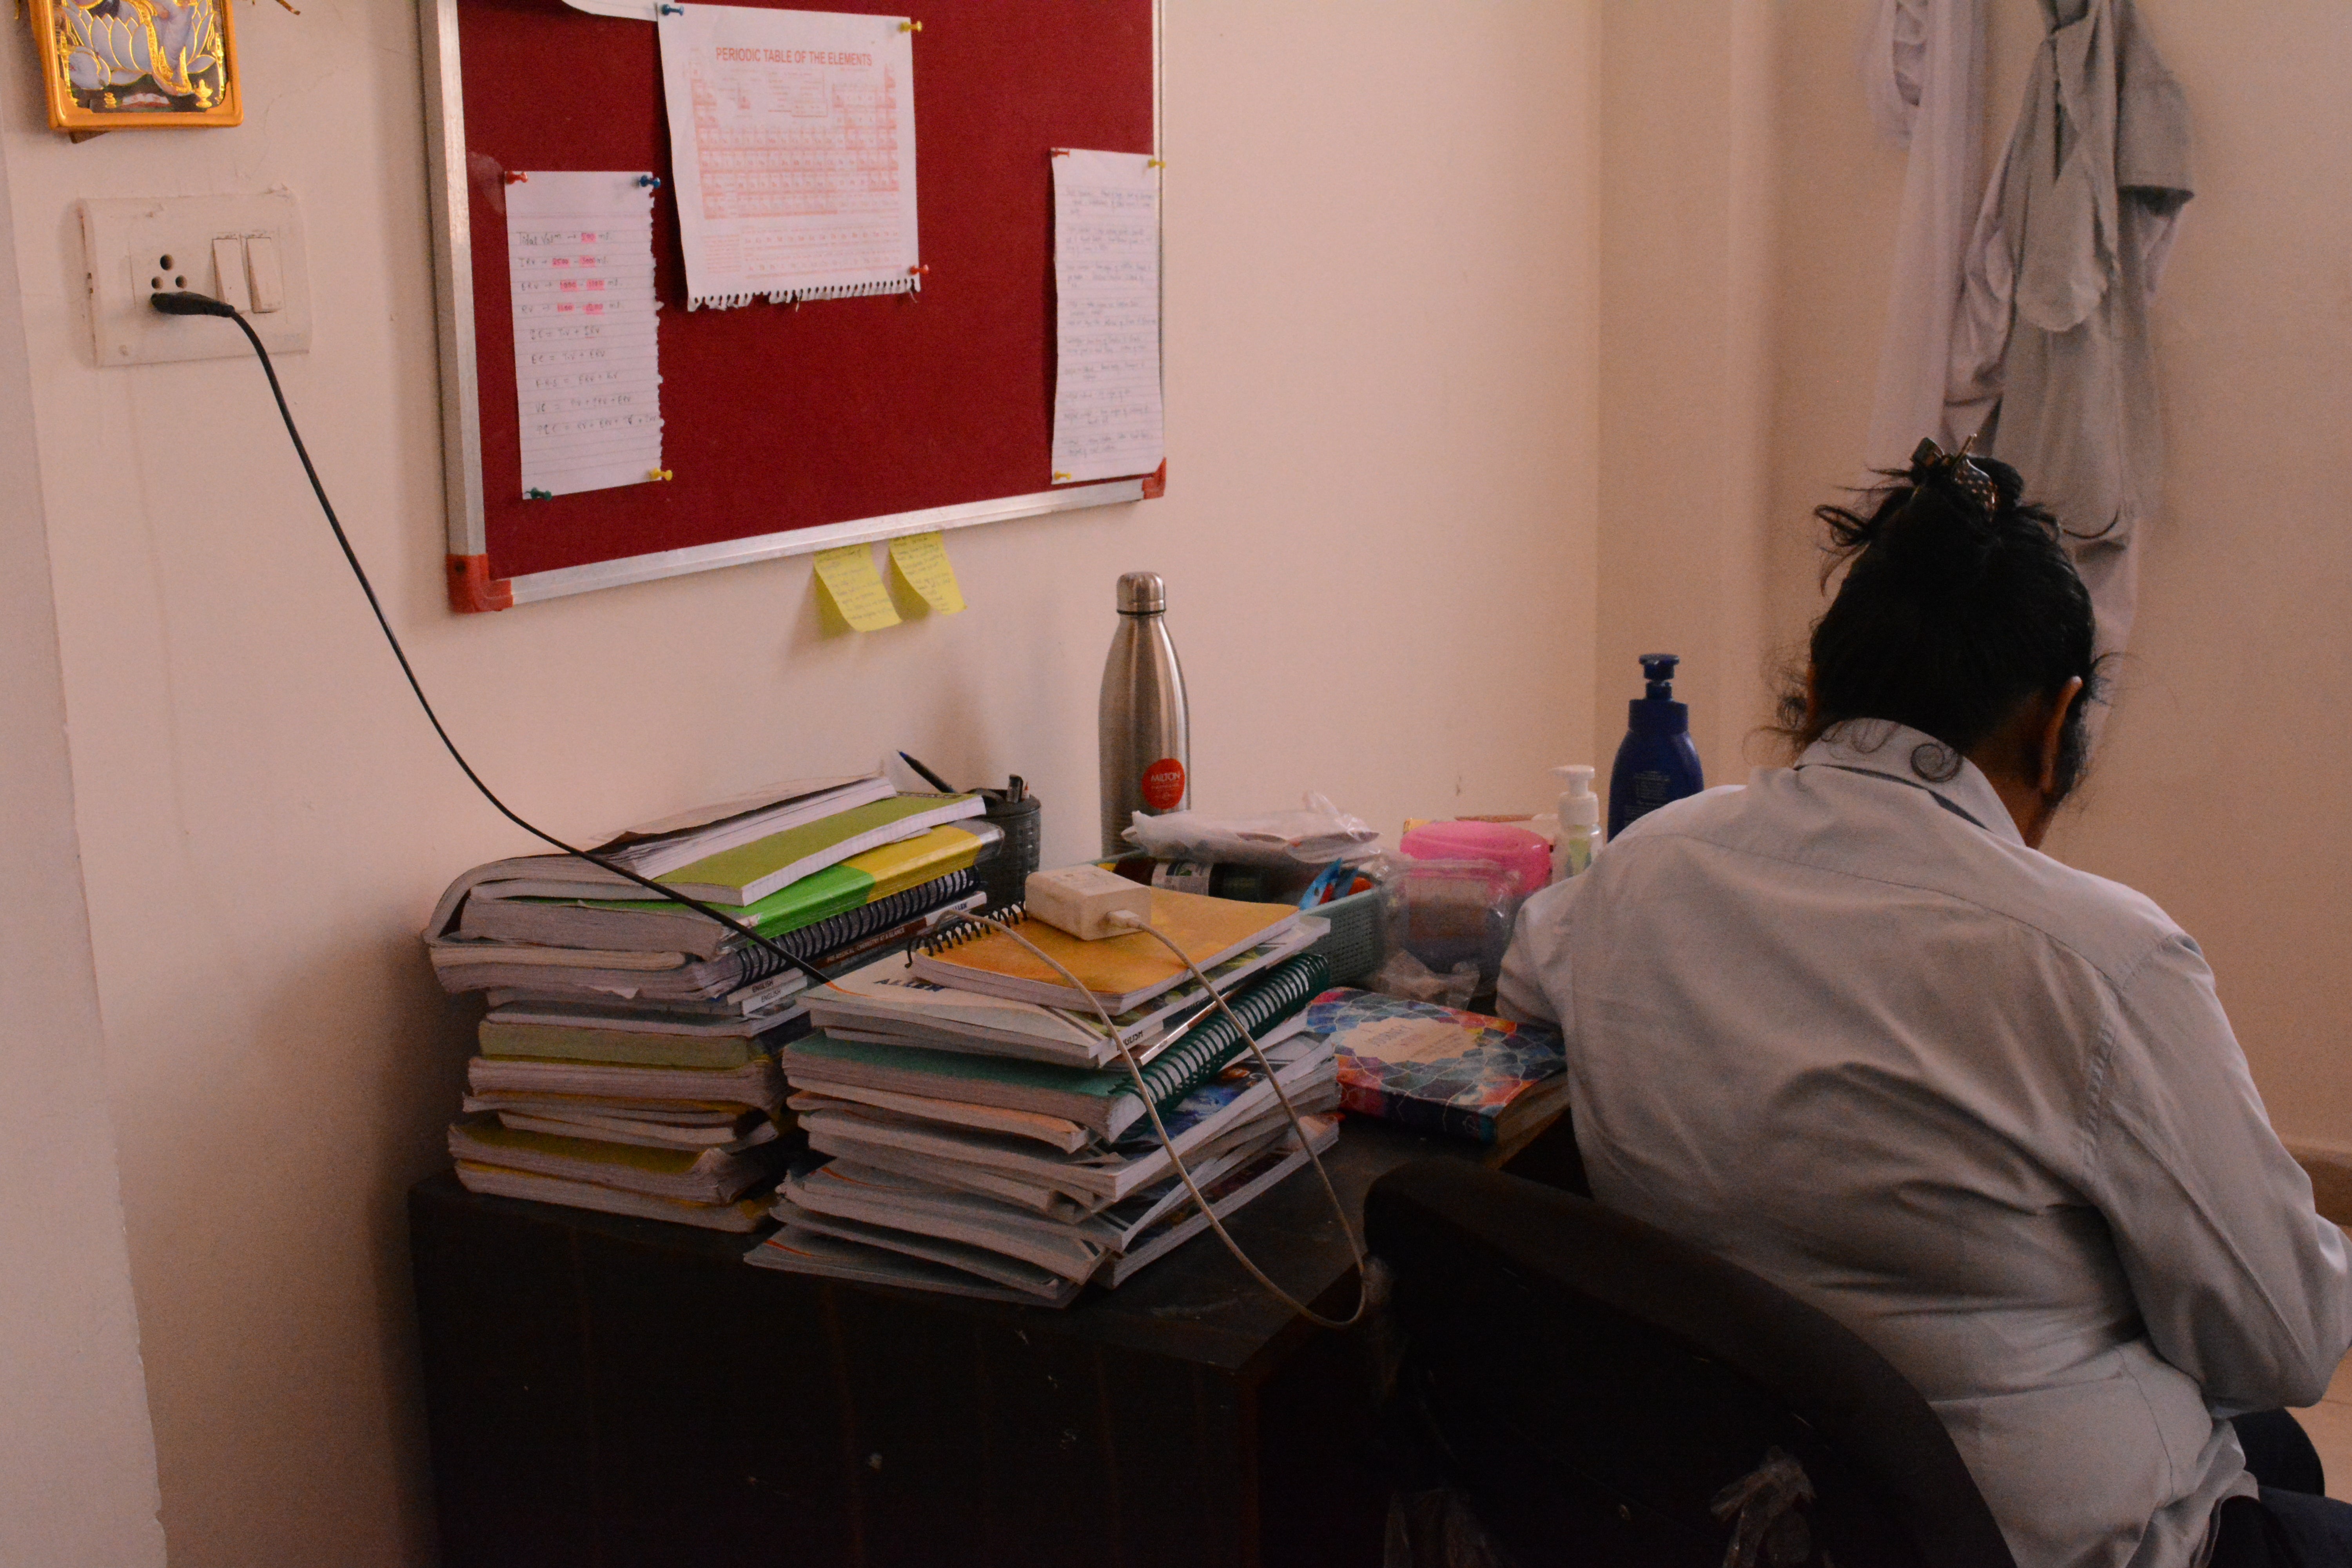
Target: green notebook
column 749, row 874
column 1103, row 1100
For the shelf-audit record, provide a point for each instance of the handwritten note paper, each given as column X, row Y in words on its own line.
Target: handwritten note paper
column 580, row 260
column 857, row 588
column 922, row 561
column 793, row 139
column 1106, row 411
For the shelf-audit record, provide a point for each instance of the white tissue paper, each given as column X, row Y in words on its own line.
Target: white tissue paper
column 1316, row 835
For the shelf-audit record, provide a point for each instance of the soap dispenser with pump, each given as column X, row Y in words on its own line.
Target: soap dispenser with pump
column 1580, row 824
column 1656, row 763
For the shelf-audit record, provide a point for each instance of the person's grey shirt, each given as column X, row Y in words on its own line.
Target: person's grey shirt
column 1844, row 1029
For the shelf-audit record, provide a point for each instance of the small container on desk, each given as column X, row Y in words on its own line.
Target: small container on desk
column 1354, row 946
column 1005, row 876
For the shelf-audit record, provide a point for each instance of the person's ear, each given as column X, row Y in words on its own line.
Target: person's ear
column 2052, row 737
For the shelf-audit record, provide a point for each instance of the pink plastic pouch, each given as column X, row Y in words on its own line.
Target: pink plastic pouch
column 1516, row 849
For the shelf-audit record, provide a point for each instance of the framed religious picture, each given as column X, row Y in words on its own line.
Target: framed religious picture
column 114, row 65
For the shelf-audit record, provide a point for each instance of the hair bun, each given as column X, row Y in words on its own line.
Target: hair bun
column 1938, row 544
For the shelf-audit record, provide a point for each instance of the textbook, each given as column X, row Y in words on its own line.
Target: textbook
column 741, row 1216
column 1440, row 1070
column 798, row 1251
column 864, row 893
column 888, row 1003
column 1095, row 1176
column 753, row 978
column 751, row 872
column 625, row 1041
column 650, row 976
column 1100, row 1099
column 704, row 1176
column 678, row 841
column 1121, row 971
column 736, row 877
column 1102, row 1110
column 756, row 1085
column 1022, row 1281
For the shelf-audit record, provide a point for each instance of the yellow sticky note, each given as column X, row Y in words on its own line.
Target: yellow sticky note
column 923, row 561
column 849, row 575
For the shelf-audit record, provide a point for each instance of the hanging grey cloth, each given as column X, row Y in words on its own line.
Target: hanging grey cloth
column 2051, row 355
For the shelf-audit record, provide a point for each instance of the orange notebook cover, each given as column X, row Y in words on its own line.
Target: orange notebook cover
column 1122, row 971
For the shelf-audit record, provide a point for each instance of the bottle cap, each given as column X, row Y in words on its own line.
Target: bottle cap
column 1579, row 807
column 1142, row 594
column 1658, row 669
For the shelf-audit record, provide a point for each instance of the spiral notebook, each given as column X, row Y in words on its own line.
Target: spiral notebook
column 1120, row 971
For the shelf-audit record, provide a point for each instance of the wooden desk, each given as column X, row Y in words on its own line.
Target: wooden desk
column 614, row 1392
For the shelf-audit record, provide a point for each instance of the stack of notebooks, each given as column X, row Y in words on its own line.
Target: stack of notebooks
column 980, row 1133
column 628, row 1056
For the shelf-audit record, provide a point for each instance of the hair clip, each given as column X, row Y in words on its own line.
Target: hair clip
column 1961, row 468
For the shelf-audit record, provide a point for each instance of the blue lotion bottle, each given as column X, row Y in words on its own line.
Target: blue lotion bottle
column 1656, row 763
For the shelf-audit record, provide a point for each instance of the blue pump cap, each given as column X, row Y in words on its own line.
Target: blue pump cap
column 1658, row 669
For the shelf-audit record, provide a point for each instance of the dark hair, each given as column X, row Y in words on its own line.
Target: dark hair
column 1959, row 605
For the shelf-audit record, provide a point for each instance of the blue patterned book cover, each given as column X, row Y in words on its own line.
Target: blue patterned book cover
column 1434, row 1067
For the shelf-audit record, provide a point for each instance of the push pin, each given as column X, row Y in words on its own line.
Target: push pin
column 538, row 495
column 1059, row 477
column 910, row 26
column 657, row 474
column 1155, row 163
column 672, row 10
column 649, row 182
column 516, row 177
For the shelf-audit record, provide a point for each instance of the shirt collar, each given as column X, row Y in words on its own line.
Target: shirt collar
column 1897, row 752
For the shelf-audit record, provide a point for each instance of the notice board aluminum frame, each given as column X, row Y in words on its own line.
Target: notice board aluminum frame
column 470, row 586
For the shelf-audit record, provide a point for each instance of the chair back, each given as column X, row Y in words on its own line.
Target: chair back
column 1595, row 1384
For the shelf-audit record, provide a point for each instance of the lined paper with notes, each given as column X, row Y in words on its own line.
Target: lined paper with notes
column 1107, row 402
column 580, row 255
column 793, row 142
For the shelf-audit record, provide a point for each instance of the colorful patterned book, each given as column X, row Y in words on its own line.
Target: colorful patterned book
column 1439, row 1069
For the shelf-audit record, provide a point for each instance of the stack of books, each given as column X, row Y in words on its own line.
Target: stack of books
column 628, row 1056
column 981, row 1133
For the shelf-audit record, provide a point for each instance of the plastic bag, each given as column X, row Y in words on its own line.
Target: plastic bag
column 1403, row 976
column 1316, row 835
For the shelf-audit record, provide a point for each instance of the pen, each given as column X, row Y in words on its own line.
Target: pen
column 930, row 777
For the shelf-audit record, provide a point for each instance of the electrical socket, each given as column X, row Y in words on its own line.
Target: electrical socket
column 248, row 250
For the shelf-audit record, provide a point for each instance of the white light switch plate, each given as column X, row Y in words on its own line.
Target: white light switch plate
column 136, row 247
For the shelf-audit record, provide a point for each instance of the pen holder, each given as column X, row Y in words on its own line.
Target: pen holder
column 1005, row 876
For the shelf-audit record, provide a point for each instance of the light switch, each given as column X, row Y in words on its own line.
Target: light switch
column 229, row 273
column 268, row 277
column 244, row 250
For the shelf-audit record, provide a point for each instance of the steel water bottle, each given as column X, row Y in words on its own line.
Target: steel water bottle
column 1146, row 737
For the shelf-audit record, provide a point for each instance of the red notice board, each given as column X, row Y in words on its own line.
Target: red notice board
column 787, row 429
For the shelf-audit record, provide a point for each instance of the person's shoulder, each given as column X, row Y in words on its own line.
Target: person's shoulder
column 2114, row 926
column 1699, row 813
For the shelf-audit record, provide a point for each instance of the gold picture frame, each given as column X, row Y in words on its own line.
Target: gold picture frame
column 151, row 65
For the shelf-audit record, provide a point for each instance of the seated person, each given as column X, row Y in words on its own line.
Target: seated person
column 1849, row 1028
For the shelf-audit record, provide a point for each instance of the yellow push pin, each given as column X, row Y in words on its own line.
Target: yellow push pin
column 910, row 26
column 657, row 473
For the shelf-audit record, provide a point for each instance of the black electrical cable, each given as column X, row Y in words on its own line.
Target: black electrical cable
column 193, row 304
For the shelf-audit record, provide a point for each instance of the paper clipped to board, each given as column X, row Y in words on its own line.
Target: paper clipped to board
column 793, row 147
column 856, row 589
column 580, row 260
column 1107, row 409
column 922, row 561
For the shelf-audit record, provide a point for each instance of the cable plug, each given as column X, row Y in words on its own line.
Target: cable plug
column 185, row 304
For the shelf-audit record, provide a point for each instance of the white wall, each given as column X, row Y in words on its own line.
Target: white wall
column 1687, row 244
column 76, row 1464
column 1379, row 539
column 2225, row 780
